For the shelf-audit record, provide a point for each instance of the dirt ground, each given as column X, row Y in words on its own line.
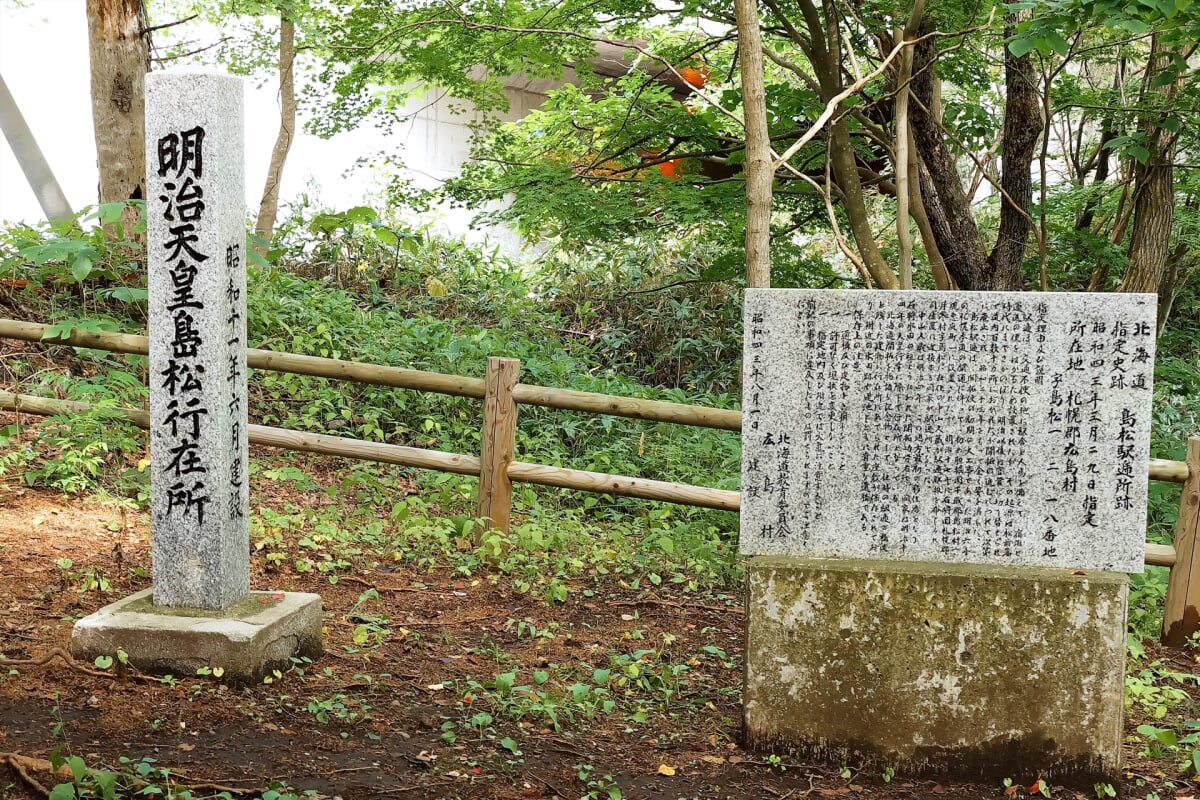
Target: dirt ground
column 371, row 717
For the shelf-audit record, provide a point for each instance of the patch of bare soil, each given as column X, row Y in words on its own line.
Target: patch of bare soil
column 395, row 714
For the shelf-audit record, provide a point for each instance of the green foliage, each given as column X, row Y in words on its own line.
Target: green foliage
column 98, row 266
column 141, row 778
column 86, row 451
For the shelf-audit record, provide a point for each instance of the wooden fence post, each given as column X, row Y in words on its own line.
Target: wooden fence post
column 1181, row 612
column 499, row 441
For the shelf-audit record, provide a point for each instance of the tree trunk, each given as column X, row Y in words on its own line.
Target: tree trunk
column 1023, row 125
column 827, row 62
column 916, row 207
column 1154, row 187
column 1181, row 264
column 268, row 207
column 903, row 173
column 29, row 156
column 946, row 203
column 845, row 172
column 120, row 58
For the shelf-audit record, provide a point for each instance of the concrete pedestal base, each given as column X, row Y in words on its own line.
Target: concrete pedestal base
column 247, row 640
column 983, row 671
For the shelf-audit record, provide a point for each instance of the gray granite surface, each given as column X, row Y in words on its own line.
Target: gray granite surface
column 964, row 427
column 196, row 239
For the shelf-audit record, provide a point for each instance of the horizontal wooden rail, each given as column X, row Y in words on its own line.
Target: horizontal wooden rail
column 1160, row 555
column 565, row 399
column 561, row 477
column 1162, row 469
column 655, row 410
column 265, row 359
column 529, row 394
column 601, row 483
column 275, row 437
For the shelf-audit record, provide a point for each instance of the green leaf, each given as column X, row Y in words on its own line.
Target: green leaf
column 387, row 236
column 103, row 662
column 505, row 682
column 1057, row 43
column 1022, row 46
column 601, row 677
column 510, row 744
column 81, row 268
column 1164, row 736
column 63, row 791
column 1165, row 78
column 361, row 214
column 129, row 294
column 107, row 783
column 110, row 212
column 1140, row 153
column 78, row 768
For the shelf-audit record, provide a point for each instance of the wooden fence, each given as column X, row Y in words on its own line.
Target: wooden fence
column 502, row 394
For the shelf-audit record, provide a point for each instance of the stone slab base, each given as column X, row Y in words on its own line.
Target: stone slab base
column 247, row 640
column 981, row 671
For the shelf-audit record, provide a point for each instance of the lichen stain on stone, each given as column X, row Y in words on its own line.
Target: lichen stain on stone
column 796, row 679
column 803, row 610
column 876, row 592
column 947, row 686
column 962, row 654
column 846, row 622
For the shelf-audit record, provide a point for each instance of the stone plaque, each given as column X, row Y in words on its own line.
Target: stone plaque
column 968, row 427
column 196, row 234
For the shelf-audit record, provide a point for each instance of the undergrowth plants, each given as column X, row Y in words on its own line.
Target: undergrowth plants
column 546, row 552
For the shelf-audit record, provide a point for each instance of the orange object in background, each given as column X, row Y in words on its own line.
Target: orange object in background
column 694, row 76
column 668, row 169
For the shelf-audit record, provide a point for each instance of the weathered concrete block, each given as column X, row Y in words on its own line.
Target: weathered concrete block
column 260, row 633
column 969, row 669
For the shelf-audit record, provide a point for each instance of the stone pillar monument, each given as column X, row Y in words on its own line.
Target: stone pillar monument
column 941, row 495
column 200, row 611
column 196, row 230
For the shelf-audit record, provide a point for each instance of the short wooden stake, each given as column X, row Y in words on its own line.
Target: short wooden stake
column 499, row 441
column 1181, row 613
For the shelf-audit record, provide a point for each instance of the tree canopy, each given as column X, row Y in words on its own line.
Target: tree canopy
column 1029, row 145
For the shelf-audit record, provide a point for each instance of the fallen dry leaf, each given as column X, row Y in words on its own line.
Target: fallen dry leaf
column 713, row 759
column 663, row 769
